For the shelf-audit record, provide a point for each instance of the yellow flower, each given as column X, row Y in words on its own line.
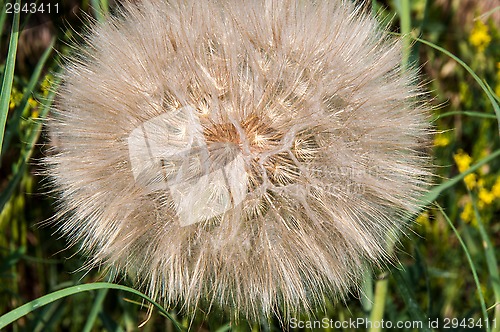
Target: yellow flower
column 15, row 98
column 495, row 190
column 463, row 160
column 479, row 36
column 441, row 140
column 467, row 214
column 470, row 180
column 32, row 102
column 423, row 219
column 45, row 86
column 485, row 196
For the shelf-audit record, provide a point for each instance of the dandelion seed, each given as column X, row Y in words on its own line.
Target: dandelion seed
column 245, row 154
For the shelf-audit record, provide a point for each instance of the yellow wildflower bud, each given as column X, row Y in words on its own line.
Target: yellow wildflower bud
column 479, row 37
column 495, row 190
column 441, row 140
column 470, row 181
column 485, row 196
column 467, row 214
column 463, row 160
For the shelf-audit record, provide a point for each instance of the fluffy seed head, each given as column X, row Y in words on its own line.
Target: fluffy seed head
column 245, row 154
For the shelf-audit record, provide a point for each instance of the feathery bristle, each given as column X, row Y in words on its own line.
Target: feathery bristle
column 245, row 154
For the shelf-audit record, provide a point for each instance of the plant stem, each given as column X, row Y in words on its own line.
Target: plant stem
column 378, row 309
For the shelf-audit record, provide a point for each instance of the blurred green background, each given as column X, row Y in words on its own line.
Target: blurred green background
column 436, row 280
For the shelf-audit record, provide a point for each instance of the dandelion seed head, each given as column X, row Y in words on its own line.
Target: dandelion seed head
column 249, row 155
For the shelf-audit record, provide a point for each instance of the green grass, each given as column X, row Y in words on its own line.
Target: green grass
column 448, row 261
column 8, row 75
column 49, row 298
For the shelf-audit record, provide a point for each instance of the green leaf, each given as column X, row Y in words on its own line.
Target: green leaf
column 13, row 124
column 491, row 262
column 405, row 23
column 471, row 264
column 3, row 17
column 8, row 75
column 486, row 88
column 467, row 113
column 11, row 259
column 96, row 308
column 379, row 300
column 416, row 313
column 27, row 150
column 48, row 318
column 101, row 8
column 25, row 309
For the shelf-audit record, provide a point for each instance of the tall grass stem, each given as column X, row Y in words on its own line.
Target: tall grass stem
column 8, row 75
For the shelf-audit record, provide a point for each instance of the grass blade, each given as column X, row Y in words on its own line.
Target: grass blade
column 25, row 309
column 471, row 264
column 492, row 264
column 8, row 75
column 378, row 308
column 110, row 325
column 405, row 23
column 49, row 317
column 486, row 88
column 416, row 313
column 3, row 17
column 467, row 113
column 367, row 291
column 16, row 116
column 224, row 328
column 11, row 260
column 101, row 9
column 436, row 191
column 96, row 308
column 27, row 150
